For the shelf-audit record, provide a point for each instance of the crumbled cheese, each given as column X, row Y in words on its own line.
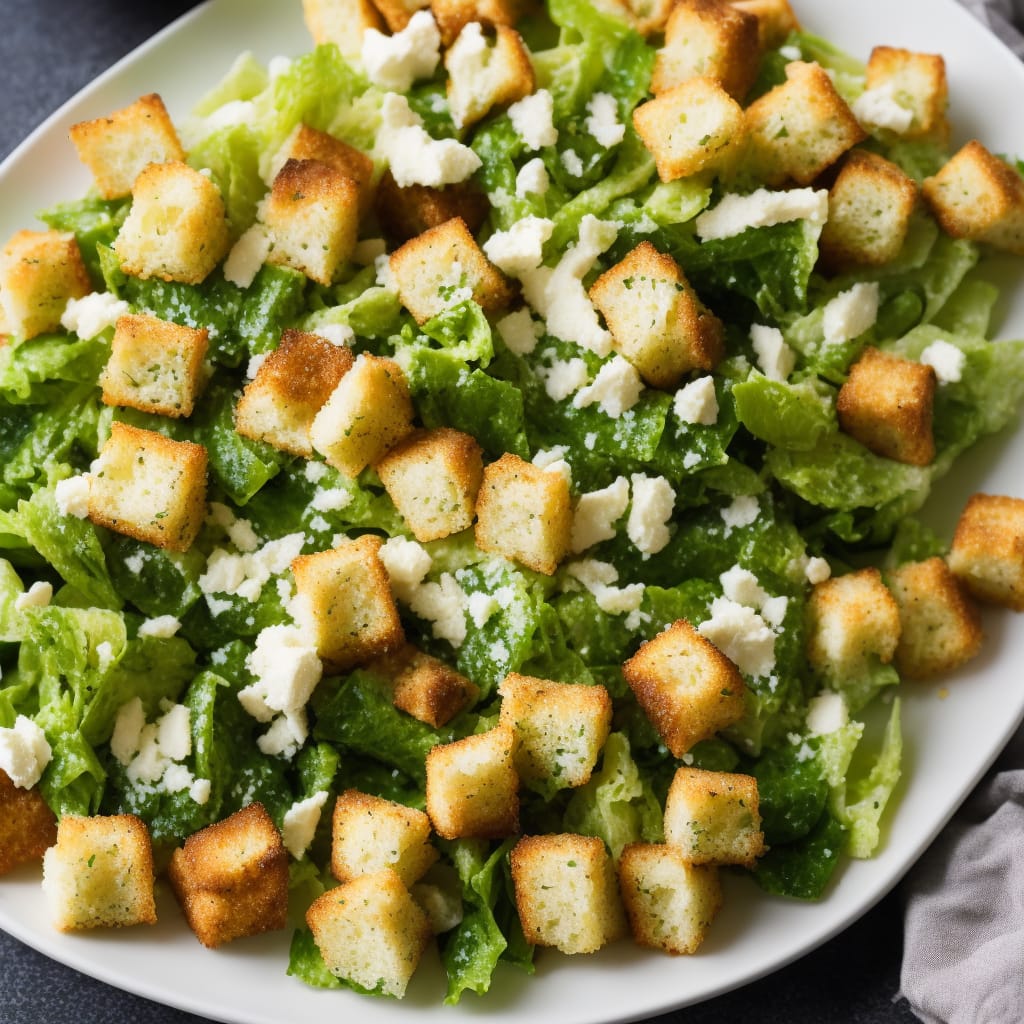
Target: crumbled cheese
column 443, row 604
column 245, row 574
column 616, row 388
column 532, row 179
column 762, row 208
column 741, row 635
column 72, row 496
column 742, row 586
column 247, row 255
column 533, row 119
column 563, row 377
column 93, row 313
column 596, row 513
column 775, row 358
column 600, row 578
column 332, row 499
column 521, row 247
column 406, row 563
column 243, row 536
column 199, row 791
column 741, row 511
column 603, row 120
column 285, row 736
column 791, row 52
column 879, row 108
column 826, row 713
column 653, row 503
column 946, row 360
column 38, row 595
column 24, row 752
column 314, row 471
column 337, row 334
column 162, row 627
column 300, row 821
column 173, row 733
column 850, row 313
column 128, row 726
column 572, row 163
column 394, row 62
column 817, row 570
column 519, row 331
column 286, row 666
column 255, row 364
column 697, row 402
column 384, row 278
column 481, row 606
column 104, row 655
column 552, row 460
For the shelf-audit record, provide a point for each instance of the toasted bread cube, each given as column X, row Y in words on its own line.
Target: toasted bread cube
column 290, row 387
column 155, row 366
column 708, row 38
column 117, row 147
column 432, row 270
column 646, row 16
column 307, row 143
column 693, row 127
column 918, row 83
column 39, row 272
column 482, row 77
column 397, row 13
column 425, row 687
column 850, row 619
column 775, row 20
column 27, row 825
column 670, row 902
column 407, row 212
column 886, row 404
column 987, row 554
column 713, row 817
column 99, row 873
column 560, row 728
column 433, row 477
column 341, row 22
column 800, row 127
column 566, row 892
column 869, row 209
column 940, row 627
column 978, row 196
column 368, row 411
column 371, row 932
column 370, row 834
column 176, row 228
column 524, row 513
column 312, row 216
column 687, row 686
column 149, row 487
column 452, row 16
column 231, row 878
column 472, row 786
column 656, row 319
column 346, row 599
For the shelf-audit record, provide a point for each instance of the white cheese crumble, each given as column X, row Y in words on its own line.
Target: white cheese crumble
column 161, row 627
column 563, row 377
column 443, row 605
column 762, row 208
column 741, row 635
column 743, row 587
column 817, row 570
column 331, row 499
column 255, row 364
column 300, row 821
column 616, row 388
column 337, row 334
column 596, row 513
column 599, row 578
column 879, row 108
column 394, row 62
column 521, row 247
column 552, row 460
column 532, row 179
column 946, row 360
column 572, row 163
column 603, row 120
column 93, row 313
column 245, row 574
column 741, row 511
column 774, row 357
column 247, row 255
column 826, row 713
column 24, row 752
column 697, row 402
column 38, row 595
column 653, row 503
column 406, row 562
column 519, row 331
column 533, row 119
column 72, row 496
column 850, row 313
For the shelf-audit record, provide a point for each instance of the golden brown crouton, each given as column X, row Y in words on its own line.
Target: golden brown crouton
column 39, row 272
column 149, row 487
column 987, row 554
column 231, row 878
column 290, row 387
column 886, row 404
column 433, row 477
column 472, row 786
column 869, row 209
column 713, row 817
column 566, row 892
column 371, row 932
column 669, row 902
column 369, row 411
column 346, row 599
column 775, row 20
column 800, row 127
column 100, row 873
column 396, row 13
column 154, row 365
column 407, row 212
column 524, row 513
column 307, row 143
column 709, row 38
column 978, row 196
column 917, row 81
column 341, row 22
column 656, row 319
column 425, row 687
column 482, row 77
column 27, row 825
column 693, row 127
column 117, row 147
column 370, row 834
column 940, row 628
column 452, row 16
column 850, row 619
column 687, row 686
column 439, row 267
column 560, row 728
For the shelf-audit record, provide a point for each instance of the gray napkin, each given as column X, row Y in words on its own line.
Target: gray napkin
column 1004, row 17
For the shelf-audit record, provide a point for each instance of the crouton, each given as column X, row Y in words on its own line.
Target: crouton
column 987, row 554
column 713, row 817
column 800, row 127
column 346, row 602
column 39, row 272
column 117, row 147
column 290, row 387
column 656, row 319
column 917, row 82
column 27, row 825
column 886, row 404
column 976, row 195
column 149, row 487
column 869, row 209
column 370, row 834
column 370, row 932
column 396, row 13
column 307, row 143
column 670, row 903
column 648, row 17
column 312, row 217
column 851, row 619
column 560, row 728
column 472, row 786
column 524, row 513
column 425, row 687
column 368, row 411
column 566, row 892
column 940, row 627
column 687, row 686
column 407, row 212
column 708, row 38
column 483, row 76
column 231, row 878
column 443, row 265
column 341, row 22
column 433, row 477
column 775, row 20
column 154, row 366
column 693, row 127
column 452, row 16
column 99, row 873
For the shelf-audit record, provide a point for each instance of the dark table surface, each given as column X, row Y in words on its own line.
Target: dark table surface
column 49, row 49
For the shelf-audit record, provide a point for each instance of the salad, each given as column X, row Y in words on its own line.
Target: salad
column 767, row 486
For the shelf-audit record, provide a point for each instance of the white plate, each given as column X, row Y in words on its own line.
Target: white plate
column 950, row 740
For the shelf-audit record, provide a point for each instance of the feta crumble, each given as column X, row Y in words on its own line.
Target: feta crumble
column 394, row 62
column 521, row 247
column 946, row 360
column 533, row 119
column 774, row 357
column 616, row 388
column 696, row 402
column 850, row 313
column 653, row 503
column 24, row 752
column 532, row 179
column 741, row 635
column 596, row 513
column 72, row 496
column 603, row 120
column 93, row 313
column 762, row 208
